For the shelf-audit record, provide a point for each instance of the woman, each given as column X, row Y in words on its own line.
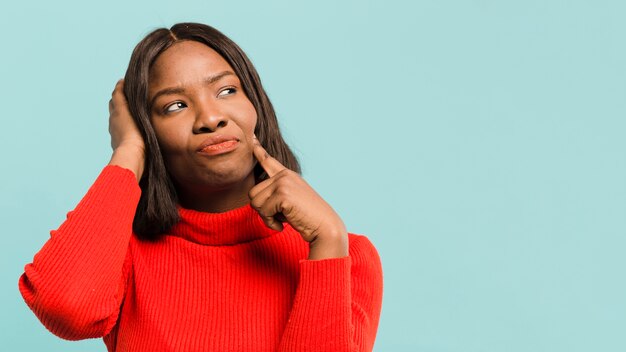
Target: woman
column 200, row 234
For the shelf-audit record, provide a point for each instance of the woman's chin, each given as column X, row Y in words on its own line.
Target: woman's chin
column 219, row 180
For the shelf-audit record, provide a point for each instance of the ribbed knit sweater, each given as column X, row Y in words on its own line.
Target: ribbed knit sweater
column 215, row 282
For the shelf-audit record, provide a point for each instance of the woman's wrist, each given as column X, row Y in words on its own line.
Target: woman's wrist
column 330, row 246
column 131, row 157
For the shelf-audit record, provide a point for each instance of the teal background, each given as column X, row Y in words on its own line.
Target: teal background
column 478, row 144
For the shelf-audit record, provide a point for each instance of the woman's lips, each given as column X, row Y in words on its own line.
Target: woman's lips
column 220, row 148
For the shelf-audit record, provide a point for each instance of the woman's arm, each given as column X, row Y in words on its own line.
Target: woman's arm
column 76, row 282
column 337, row 303
column 339, row 296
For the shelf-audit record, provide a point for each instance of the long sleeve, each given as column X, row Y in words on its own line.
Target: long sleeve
column 337, row 303
column 76, row 282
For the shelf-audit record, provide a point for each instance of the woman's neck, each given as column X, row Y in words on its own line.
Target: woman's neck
column 216, row 200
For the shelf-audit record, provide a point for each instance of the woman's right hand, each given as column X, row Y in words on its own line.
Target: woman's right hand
column 126, row 141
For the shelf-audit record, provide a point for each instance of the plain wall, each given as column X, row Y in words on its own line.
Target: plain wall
column 478, row 144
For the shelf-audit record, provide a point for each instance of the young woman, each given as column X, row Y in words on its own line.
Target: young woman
column 200, row 234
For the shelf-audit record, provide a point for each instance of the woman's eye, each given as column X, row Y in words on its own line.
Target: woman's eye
column 227, row 90
column 177, row 104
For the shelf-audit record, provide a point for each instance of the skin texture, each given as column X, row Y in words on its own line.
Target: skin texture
column 217, row 183
column 206, row 183
column 287, row 194
column 126, row 141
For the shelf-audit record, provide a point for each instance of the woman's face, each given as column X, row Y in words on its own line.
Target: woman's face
column 202, row 118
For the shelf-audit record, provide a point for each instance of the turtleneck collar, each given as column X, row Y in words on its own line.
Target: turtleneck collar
column 234, row 226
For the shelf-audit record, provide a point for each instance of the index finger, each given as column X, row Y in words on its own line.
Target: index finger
column 268, row 163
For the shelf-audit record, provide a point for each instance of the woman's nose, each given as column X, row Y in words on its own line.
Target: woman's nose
column 209, row 118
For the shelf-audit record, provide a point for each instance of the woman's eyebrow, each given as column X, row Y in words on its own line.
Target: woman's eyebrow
column 177, row 90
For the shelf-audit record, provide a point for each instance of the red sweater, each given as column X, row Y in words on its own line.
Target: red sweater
column 216, row 282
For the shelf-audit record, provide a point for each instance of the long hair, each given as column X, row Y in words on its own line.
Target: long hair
column 157, row 210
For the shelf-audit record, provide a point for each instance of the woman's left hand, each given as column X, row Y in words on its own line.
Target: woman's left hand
column 285, row 196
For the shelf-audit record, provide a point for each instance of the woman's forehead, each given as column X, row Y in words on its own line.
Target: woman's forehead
column 187, row 62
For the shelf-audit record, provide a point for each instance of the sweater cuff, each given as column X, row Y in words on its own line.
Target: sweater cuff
column 325, row 278
column 323, row 301
column 115, row 186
